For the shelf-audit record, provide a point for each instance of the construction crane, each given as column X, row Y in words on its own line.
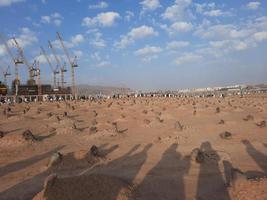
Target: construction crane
column 72, row 63
column 6, row 73
column 15, row 60
column 54, row 70
column 38, row 74
column 31, row 69
column 62, row 67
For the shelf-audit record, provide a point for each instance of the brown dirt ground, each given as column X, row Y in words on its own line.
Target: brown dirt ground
column 143, row 153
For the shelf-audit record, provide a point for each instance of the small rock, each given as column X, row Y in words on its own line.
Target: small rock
column 27, row 135
column 55, row 159
column 261, row 124
column 248, row 118
column 50, row 114
column 226, row 135
column 218, row 110
column 65, row 114
column 2, row 134
column 178, row 126
column 94, row 150
column 146, row 121
column 221, row 121
column 93, row 129
column 145, row 111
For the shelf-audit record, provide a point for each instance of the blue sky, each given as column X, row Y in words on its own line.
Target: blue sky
column 146, row 44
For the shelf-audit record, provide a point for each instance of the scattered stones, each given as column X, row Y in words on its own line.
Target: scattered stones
column 28, row 136
column 178, row 126
column 197, row 155
column 226, row 135
column 218, row 110
column 65, row 114
column 110, row 104
column 221, row 121
column 93, row 129
column 72, row 107
column 261, row 124
column 94, row 150
column 248, row 118
column 55, row 159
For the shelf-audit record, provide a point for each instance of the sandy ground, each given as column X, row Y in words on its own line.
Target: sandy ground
column 144, row 149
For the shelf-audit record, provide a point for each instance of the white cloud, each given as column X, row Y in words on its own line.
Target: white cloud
column 148, row 53
column 148, row 50
column 100, row 5
column 216, row 13
column 150, row 4
column 129, row 15
column 78, row 53
column 54, row 18
column 177, row 44
column 222, row 31
column 73, row 42
column 142, row 31
column 9, row 2
column 26, row 38
column 210, row 10
column 104, row 19
column 178, row 11
column 253, row 5
column 240, row 46
column 98, row 41
column 77, row 39
column 188, row 58
column 135, row 34
column 103, row 63
column 260, row 36
column 181, row 27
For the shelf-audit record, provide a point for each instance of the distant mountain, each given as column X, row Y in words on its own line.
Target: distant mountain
column 105, row 90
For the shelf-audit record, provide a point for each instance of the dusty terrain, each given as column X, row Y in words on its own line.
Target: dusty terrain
column 145, row 148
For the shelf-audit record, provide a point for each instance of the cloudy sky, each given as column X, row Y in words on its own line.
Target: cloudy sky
column 146, row 44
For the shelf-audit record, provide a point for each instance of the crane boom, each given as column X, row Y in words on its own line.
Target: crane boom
column 25, row 61
column 54, row 54
column 51, row 67
column 15, row 61
column 62, row 68
column 72, row 64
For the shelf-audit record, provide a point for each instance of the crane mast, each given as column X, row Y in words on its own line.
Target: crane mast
column 31, row 68
column 16, row 61
column 72, row 64
column 54, row 71
column 6, row 73
column 62, row 68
